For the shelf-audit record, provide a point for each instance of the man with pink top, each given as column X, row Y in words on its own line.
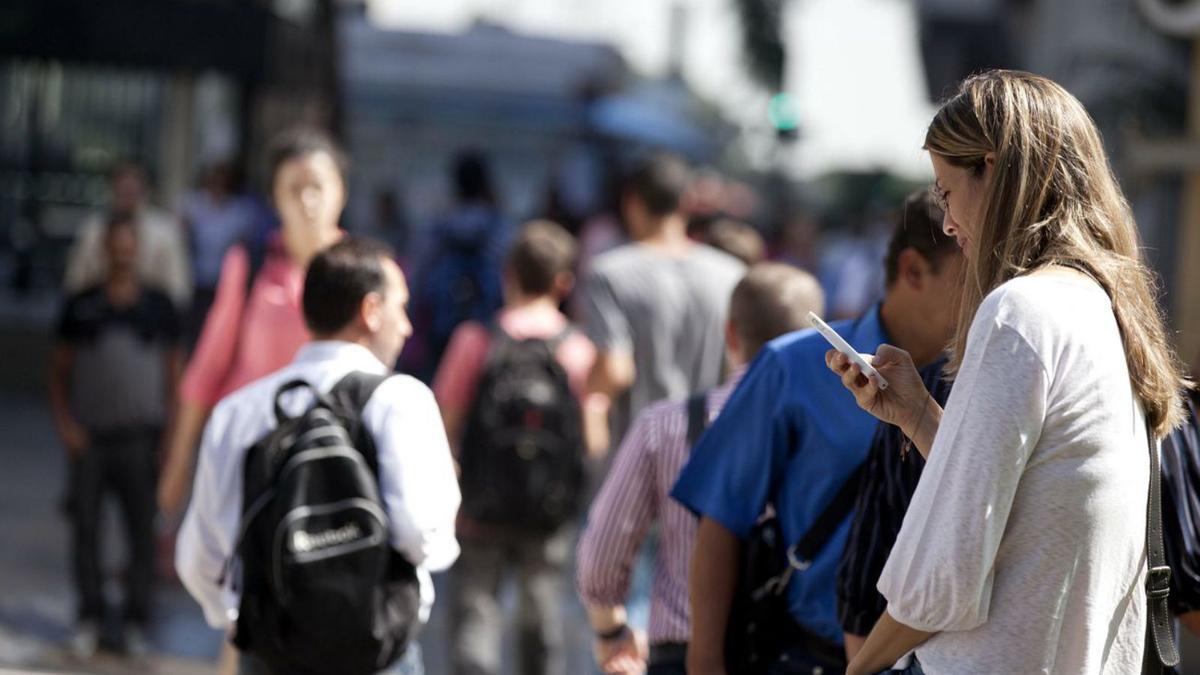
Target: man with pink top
column 479, row 368
column 255, row 325
column 772, row 299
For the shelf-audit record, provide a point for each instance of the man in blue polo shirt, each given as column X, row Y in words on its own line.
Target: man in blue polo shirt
column 792, row 436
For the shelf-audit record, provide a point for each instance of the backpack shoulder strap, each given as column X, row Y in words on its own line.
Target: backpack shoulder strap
column 355, row 389
column 350, row 395
column 697, row 417
column 559, row 338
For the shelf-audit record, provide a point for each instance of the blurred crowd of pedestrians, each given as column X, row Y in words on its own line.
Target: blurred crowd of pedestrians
column 653, row 359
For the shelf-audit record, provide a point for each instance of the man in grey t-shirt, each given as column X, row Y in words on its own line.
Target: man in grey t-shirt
column 655, row 308
column 115, row 369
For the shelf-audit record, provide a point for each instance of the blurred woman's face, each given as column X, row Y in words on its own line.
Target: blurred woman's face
column 959, row 193
column 309, row 192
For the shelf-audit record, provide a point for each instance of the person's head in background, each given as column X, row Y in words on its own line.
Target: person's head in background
column 773, row 299
column 307, row 173
column 1026, row 184
column 355, row 292
column 923, row 272
column 540, row 263
column 653, row 194
column 121, row 244
column 127, row 184
column 219, row 180
column 473, row 179
column 738, row 239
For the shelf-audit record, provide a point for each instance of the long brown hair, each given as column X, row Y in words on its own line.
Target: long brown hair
column 1053, row 200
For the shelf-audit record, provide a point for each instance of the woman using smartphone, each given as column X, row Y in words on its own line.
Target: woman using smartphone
column 1024, row 549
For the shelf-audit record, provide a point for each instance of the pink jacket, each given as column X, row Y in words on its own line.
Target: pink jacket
column 245, row 338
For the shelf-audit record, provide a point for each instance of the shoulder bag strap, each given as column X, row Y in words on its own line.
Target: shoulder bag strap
column 1160, row 643
column 801, row 555
column 697, row 417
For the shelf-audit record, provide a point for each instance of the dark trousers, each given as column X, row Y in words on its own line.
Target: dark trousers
column 121, row 463
column 799, row 660
column 668, row 659
column 540, row 565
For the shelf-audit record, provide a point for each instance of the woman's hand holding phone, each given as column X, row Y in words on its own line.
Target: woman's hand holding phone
column 905, row 403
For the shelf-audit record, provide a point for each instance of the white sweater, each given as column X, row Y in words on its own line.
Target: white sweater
column 1024, row 546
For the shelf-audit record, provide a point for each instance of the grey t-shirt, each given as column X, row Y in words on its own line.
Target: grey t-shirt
column 118, row 374
column 668, row 311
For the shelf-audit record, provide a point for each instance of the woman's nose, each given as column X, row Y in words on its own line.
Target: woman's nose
column 948, row 225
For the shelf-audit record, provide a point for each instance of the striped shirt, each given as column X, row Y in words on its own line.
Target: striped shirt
column 888, row 482
column 635, row 495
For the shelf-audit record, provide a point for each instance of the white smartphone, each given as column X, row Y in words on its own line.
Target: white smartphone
column 845, row 348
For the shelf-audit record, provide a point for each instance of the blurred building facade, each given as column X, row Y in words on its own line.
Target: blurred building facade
column 1133, row 79
column 172, row 83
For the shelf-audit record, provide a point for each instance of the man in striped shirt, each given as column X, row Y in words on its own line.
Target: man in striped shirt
column 772, row 299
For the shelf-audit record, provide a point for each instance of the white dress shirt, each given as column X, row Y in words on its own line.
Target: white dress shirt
column 162, row 258
column 417, row 480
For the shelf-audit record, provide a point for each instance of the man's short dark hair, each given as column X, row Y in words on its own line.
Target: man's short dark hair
column 542, row 251
column 473, row 178
column 299, row 142
column 773, row 299
column 920, row 228
column 338, row 279
column 659, row 183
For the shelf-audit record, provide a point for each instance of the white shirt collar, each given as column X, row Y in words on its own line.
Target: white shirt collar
column 351, row 353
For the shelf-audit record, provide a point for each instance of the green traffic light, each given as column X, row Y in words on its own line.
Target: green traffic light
column 782, row 112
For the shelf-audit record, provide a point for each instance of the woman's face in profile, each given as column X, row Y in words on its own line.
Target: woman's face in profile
column 309, row 192
column 959, row 193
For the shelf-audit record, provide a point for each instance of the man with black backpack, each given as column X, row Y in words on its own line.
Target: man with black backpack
column 325, row 492
column 508, row 393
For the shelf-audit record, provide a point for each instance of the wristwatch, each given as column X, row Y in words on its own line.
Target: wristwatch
column 614, row 633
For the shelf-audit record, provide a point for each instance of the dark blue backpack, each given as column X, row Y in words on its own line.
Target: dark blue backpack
column 461, row 284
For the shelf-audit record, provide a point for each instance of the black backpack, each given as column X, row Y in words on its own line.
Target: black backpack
column 522, row 454
column 323, row 591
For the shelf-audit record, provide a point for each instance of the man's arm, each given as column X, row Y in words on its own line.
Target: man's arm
column 617, row 524
column 611, row 375
column 711, row 585
column 418, row 485
column 73, row 435
column 209, row 529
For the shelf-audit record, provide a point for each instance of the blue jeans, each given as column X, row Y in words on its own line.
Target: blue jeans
column 409, row 664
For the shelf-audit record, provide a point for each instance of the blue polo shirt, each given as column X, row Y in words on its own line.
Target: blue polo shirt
column 789, row 424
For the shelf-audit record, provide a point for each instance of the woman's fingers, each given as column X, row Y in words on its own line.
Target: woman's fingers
column 850, row 375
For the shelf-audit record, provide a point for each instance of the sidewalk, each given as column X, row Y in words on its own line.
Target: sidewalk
column 37, row 605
